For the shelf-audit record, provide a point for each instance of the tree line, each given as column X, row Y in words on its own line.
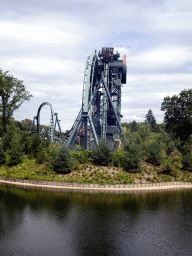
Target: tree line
column 168, row 145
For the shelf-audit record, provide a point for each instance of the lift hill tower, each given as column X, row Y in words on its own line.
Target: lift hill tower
column 100, row 114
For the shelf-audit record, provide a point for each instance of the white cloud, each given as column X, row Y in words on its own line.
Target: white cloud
column 177, row 5
column 40, row 34
column 47, row 46
column 42, row 65
column 160, row 59
column 178, row 23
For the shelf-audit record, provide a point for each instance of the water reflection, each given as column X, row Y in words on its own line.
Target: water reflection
column 48, row 223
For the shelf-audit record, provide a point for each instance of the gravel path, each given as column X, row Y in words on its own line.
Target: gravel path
column 98, row 188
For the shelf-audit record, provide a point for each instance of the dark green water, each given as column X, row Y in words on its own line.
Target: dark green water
column 48, row 223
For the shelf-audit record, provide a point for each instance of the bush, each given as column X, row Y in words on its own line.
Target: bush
column 102, row 154
column 131, row 162
column 82, row 156
column 130, row 158
column 153, row 150
column 2, row 155
column 40, row 159
column 187, row 161
column 187, row 155
column 16, row 152
column 63, row 161
column 11, row 131
column 34, row 146
column 171, row 164
column 127, row 160
column 118, row 157
column 50, row 154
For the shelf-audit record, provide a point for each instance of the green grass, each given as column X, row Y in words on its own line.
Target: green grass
column 87, row 173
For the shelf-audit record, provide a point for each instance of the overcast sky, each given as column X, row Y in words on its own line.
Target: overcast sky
column 46, row 43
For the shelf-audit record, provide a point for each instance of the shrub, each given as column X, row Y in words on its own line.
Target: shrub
column 117, row 158
column 40, row 159
column 76, row 166
column 11, row 131
column 165, row 140
column 102, row 154
column 64, row 161
column 16, row 151
column 153, row 150
column 2, row 155
column 127, row 160
column 171, row 164
column 187, row 155
column 130, row 157
column 34, row 146
column 50, row 154
column 187, row 161
column 82, row 156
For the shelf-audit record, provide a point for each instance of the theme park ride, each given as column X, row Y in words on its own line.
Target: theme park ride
column 100, row 114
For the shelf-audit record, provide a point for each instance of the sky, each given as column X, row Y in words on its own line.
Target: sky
column 45, row 43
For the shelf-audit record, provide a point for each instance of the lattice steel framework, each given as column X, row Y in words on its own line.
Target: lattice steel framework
column 100, row 114
column 54, row 121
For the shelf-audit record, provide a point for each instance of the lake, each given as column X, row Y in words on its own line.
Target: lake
column 53, row 223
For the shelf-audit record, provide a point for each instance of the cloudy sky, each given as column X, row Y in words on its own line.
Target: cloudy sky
column 46, row 43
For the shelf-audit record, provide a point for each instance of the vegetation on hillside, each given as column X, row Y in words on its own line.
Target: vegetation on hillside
column 149, row 152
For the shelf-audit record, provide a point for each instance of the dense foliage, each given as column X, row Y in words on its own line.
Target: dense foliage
column 63, row 160
column 2, row 155
column 178, row 114
column 12, row 94
column 102, row 154
column 15, row 152
column 165, row 147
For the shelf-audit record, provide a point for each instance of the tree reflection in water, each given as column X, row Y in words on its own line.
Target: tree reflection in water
column 48, row 223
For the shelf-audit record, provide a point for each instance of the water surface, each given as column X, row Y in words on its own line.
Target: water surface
column 52, row 223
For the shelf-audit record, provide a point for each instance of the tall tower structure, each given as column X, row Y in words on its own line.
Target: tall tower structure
column 100, row 114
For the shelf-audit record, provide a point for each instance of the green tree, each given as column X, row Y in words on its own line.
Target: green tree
column 153, row 152
column 11, row 130
column 144, row 131
column 34, row 146
column 16, row 151
column 134, row 126
column 2, row 154
column 102, row 154
column 64, row 161
column 132, row 153
column 187, row 154
column 12, row 94
column 150, row 119
column 178, row 114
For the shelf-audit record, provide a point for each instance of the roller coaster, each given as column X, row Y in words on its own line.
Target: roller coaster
column 100, row 114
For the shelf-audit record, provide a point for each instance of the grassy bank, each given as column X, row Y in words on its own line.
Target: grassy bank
column 89, row 173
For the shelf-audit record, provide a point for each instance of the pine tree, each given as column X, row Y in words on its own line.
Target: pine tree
column 102, row 154
column 11, row 130
column 16, row 152
column 2, row 155
column 34, row 146
column 64, row 161
column 134, row 126
column 150, row 119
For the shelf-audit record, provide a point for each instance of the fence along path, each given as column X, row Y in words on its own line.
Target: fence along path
column 60, row 186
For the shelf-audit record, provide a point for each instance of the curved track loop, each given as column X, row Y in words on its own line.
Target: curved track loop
column 89, row 80
column 51, row 119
